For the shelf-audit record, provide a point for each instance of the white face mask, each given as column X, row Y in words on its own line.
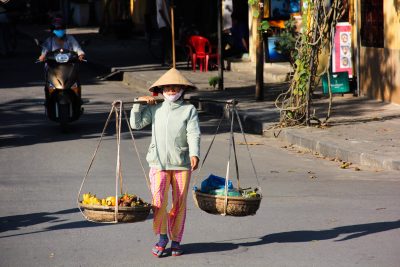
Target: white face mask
column 173, row 98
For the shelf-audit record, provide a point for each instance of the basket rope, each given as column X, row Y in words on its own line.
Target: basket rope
column 232, row 109
column 247, row 146
column 91, row 163
column 209, row 148
column 118, row 116
column 229, row 159
column 138, row 155
column 117, row 107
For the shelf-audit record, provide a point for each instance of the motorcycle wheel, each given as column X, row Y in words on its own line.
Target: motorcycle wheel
column 64, row 117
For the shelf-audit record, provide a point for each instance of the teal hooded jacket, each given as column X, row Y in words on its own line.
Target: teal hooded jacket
column 175, row 133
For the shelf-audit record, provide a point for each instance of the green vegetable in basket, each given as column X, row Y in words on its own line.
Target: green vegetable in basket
column 250, row 193
column 221, row 192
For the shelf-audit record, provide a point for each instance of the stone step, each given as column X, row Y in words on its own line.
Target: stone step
column 273, row 72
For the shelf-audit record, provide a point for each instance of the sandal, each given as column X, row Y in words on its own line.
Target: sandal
column 158, row 251
column 177, row 251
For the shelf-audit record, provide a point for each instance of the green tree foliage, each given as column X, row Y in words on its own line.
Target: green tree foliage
column 318, row 22
column 286, row 45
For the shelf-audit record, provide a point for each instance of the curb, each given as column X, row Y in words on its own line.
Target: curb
column 323, row 148
column 250, row 125
column 135, row 81
column 277, row 74
column 98, row 67
column 334, row 150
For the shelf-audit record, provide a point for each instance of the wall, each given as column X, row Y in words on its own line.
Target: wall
column 380, row 74
column 380, row 67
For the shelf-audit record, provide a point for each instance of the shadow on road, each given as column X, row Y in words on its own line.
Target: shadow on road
column 342, row 233
column 18, row 222
column 12, row 223
column 23, row 124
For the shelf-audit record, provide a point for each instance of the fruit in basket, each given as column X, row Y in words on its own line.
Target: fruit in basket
column 252, row 194
column 134, row 197
column 126, row 200
column 110, row 201
column 86, row 198
column 138, row 202
column 90, row 199
column 95, row 201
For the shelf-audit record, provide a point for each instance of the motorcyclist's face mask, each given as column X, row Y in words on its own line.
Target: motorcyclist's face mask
column 60, row 33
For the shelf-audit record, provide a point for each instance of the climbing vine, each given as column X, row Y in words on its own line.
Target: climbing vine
column 257, row 5
column 318, row 24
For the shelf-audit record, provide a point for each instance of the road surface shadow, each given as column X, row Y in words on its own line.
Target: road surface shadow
column 19, row 222
column 342, row 233
column 23, row 124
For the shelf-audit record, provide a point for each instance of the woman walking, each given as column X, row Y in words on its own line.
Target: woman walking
column 173, row 154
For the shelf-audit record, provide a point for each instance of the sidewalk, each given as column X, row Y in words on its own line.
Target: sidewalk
column 363, row 131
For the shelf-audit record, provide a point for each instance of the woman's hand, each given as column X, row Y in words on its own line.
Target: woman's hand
column 149, row 99
column 194, row 162
column 42, row 57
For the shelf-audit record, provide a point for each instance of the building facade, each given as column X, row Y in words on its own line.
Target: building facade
column 375, row 46
column 378, row 24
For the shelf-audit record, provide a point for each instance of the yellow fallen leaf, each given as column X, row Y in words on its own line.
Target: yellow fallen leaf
column 250, row 143
column 345, row 165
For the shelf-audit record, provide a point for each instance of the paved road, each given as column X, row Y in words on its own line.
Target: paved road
column 313, row 213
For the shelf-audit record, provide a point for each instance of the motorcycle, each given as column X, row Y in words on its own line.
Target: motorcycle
column 62, row 87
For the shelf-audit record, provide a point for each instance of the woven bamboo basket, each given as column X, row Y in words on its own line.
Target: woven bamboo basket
column 99, row 213
column 236, row 206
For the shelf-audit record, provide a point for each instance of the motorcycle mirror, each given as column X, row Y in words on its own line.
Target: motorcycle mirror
column 37, row 42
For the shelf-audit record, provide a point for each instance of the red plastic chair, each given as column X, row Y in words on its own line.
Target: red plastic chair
column 199, row 50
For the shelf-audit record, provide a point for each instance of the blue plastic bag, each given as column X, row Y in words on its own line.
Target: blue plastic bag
column 214, row 182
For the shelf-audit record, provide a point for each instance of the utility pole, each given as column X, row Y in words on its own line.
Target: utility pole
column 173, row 34
column 220, row 58
column 259, row 56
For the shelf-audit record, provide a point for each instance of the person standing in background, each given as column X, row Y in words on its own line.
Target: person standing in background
column 164, row 26
column 238, row 39
column 227, row 7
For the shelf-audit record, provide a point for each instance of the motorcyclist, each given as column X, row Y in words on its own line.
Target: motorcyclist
column 60, row 40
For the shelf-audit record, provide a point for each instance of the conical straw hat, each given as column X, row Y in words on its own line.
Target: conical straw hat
column 171, row 77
